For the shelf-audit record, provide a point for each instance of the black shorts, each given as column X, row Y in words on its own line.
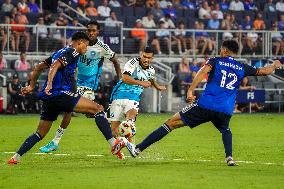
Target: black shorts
column 193, row 115
column 53, row 106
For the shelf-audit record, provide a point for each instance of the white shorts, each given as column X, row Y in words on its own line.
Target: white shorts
column 119, row 107
column 86, row 92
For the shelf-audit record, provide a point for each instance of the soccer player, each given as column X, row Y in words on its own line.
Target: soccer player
column 137, row 75
column 59, row 92
column 216, row 103
column 89, row 72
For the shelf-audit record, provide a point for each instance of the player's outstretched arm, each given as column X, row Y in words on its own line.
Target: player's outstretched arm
column 157, row 86
column 131, row 81
column 52, row 71
column 38, row 69
column 197, row 79
column 116, row 66
column 269, row 69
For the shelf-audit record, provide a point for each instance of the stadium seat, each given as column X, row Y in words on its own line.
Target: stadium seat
column 280, row 85
column 271, row 15
column 278, row 97
column 128, row 11
column 117, row 11
column 191, row 22
column 252, row 79
column 268, row 85
column 110, row 31
column 23, row 75
column 130, row 21
column 251, row 14
column 8, row 73
column 190, row 14
column 262, row 78
column 32, row 18
column 98, row 2
column 140, row 12
column 180, row 13
column 130, row 46
column 258, row 85
column 268, row 97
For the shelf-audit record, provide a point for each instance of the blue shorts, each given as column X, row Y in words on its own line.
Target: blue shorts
column 193, row 115
column 53, row 106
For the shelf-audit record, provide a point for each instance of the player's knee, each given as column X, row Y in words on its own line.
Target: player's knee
column 40, row 134
column 97, row 108
column 226, row 131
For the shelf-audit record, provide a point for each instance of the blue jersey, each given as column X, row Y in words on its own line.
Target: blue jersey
column 64, row 80
column 223, row 82
column 90, row 65
column 132, row 92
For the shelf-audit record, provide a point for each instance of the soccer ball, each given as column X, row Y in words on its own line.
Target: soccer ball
column 127, row 129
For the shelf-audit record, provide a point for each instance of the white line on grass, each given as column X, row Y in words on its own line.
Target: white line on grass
column 95, row 155
column 158, row 158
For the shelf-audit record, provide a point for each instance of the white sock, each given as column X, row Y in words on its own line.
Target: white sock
column 58, row 135
column 111, row 141
column 16, row 157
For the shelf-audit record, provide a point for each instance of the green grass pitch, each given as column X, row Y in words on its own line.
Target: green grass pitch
column 186, row 158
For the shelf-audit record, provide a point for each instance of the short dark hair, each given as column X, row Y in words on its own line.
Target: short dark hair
column 80, row 35
column 94, row 22
column 149, row 49
column 231, row 45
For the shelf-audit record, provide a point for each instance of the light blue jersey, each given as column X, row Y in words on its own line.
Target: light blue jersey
column 90, row 65
column 132, row 92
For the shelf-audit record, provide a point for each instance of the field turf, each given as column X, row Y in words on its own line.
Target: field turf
column 184, row 159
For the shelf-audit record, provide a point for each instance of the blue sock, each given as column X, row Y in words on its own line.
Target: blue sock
column 155, row 136
column 227, row 141
column 29, row 143
column 103, row 125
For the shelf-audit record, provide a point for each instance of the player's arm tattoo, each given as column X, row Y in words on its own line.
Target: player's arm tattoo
column 38, row 69
column 116, row 66
column 269, row 69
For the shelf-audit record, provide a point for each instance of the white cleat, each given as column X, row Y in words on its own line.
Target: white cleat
column 230, row 162
column 131, row 148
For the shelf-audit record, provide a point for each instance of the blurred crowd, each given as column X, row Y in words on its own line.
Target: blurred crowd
column 248, row 16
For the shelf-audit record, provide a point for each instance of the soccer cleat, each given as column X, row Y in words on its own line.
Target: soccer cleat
column 12, row 161
column 131, row 148
column 230, row 162
column 118, row 145
column 49, row 147
column 120, row 155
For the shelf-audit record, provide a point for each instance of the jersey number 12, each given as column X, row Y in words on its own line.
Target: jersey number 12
column 224, row 78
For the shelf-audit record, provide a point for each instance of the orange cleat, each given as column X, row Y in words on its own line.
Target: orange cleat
column 120, row 155
column 118, row 145
column 12, row 161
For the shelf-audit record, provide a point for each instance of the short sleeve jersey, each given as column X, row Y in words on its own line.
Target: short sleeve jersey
column 223, row 82
column 64, row 80
column 90, row 64
column 132, row 92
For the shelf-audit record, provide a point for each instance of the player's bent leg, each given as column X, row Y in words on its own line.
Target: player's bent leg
column 42, row 130
column 114, row 128
column 53, row 144
column 173, row 123
column 131, row 114
column 85, row 105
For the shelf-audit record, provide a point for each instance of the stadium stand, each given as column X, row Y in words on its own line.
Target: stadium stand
column 256, row 45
